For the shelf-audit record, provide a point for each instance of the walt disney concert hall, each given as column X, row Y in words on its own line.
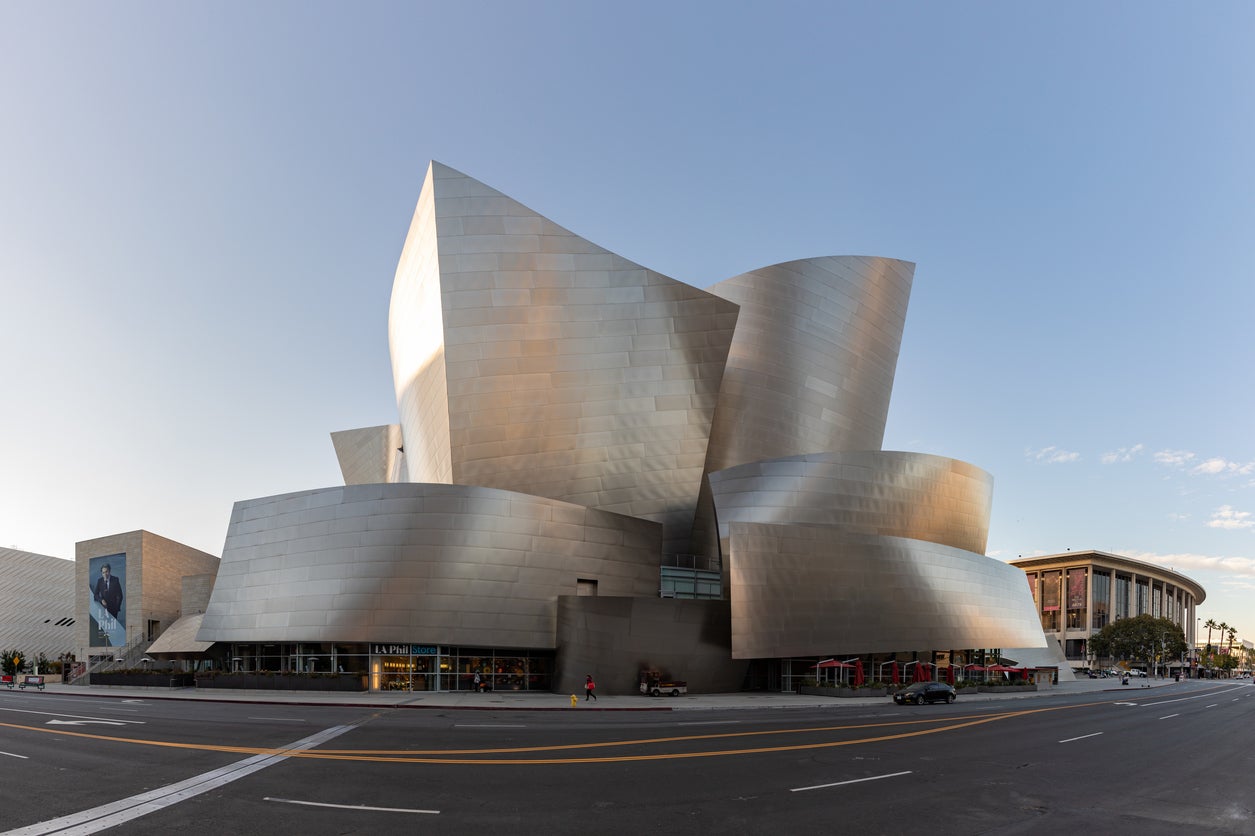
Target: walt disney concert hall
column 598, row 469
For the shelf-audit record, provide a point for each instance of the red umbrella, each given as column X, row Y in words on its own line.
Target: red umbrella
column 950, row 674
column 920, row 674
column 896, row 679
column 858, row 674
column 832, row 663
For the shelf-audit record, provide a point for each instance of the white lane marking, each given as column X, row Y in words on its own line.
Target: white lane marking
column 279, row 719
column 710, row 723
column 85, row 722
column 351, row 806
column 119, row 812
column 134, row 702
column 10, row 754
column 73, row 716
column 1082, row 737
column 1170, row 716
column 1213, row 705
column 855, row 781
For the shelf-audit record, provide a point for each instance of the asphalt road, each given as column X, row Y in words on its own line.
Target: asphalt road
column 1157, row 761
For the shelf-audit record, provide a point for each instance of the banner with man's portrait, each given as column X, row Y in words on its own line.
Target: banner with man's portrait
column 106, row 591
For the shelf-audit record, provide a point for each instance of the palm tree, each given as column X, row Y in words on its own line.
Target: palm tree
column 1233, row 634
column 1210, row 625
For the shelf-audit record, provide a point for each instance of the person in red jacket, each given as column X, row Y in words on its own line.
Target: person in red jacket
column 590, row 688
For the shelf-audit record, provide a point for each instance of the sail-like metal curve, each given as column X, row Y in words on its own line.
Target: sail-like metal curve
column 913, row 495
column 569, row 417
column 529, row 359
column 803, row 590
column 419, row 562
column 812, row 363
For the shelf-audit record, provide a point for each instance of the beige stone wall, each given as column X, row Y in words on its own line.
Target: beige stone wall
column 153, row 589
column 196, row 592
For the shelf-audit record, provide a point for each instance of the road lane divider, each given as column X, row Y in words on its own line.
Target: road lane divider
column 127, row 809
column 852, row 781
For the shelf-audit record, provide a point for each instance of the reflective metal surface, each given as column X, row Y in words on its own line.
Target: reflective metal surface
column 369, row 455
column 529, row 359
column 544, row 383
column 446, row 564
column 913, row 495
column 802, row 590
column 812, row 363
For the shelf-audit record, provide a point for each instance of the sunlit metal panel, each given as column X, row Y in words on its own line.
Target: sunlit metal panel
column 566, row 370
column 427, row 563
column 804, row 590
column 912, row 495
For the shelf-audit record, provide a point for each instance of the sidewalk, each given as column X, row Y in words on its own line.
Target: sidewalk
column 530, row 701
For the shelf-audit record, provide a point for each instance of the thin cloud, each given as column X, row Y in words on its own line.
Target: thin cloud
column 1218, row 466
column 1243, row 567
column 1124, row 454
column 1174, row 458
column 1053, row 455
column 1225, row 517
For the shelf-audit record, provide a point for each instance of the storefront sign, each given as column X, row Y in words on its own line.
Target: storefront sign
column 403, row 649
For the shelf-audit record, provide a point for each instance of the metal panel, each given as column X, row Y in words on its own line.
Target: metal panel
column 565, row 370
column 464, row 565
column 812, row 363
column 913, row 495
column 813, row 590
column 369, row 455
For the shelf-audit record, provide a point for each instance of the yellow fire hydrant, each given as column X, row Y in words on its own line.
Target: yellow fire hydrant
column 574, row 701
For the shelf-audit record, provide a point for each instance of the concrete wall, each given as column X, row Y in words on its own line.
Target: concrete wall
column 615, row 638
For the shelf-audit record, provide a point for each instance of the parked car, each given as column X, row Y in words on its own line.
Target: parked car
column 922, row 692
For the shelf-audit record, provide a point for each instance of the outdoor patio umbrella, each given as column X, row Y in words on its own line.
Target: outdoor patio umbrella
column 858, row 674
column 950, row 674
column 896, row 679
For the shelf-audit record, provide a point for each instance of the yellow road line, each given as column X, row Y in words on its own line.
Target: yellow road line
column 448, row 756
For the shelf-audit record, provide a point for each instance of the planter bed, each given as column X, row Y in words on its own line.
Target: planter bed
column 143, row 680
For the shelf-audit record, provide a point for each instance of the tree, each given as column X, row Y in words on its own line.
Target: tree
column 1210, row 625
column 12, row 661
column 1142, row 637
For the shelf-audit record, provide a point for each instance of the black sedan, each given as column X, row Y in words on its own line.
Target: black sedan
column 922, row 692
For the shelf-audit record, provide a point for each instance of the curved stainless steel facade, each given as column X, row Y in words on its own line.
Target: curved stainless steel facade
column 529, row 359
column 812, row 364
column 419, row 562
column 912, row 495
column 568, row 416
column 799, row 588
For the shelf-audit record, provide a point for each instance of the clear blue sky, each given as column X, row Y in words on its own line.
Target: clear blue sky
column 202, row 206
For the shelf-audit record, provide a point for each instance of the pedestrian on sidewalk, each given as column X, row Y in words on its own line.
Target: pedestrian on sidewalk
column 590, row 688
